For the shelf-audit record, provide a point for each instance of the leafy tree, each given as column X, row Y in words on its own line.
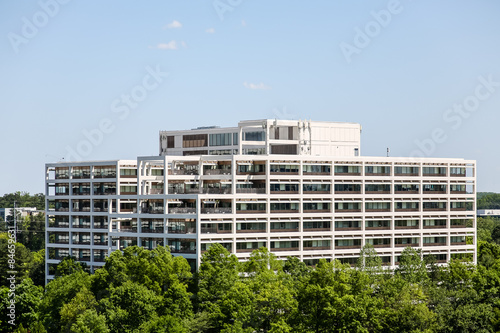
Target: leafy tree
column 58, row 292
column 27, row 300
column 405, row 307
column 68, row 266
column 22, row 260
column 217, row 274
column 370, row 263
column 130, row 305
column 411, row 266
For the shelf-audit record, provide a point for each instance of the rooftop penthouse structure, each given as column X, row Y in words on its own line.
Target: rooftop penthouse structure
column 214, row 185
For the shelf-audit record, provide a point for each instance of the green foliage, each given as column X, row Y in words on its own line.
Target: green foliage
column 488, row 201
column 139, row 290
column 22, row 256
column 23, row 199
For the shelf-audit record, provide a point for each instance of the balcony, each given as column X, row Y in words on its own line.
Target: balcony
column 285, row 192
column 406, row 227
column 214, row 172
column 347, row 210
column 285, row 249
column 251, row 190
column 82, row 225
column 406, row 245
column 181, row 210
column 458, row 226
column 100, row 242
column 156, row 191
column 285, row 230
column 250, row 211
column 216, row 191
column 407, row 209
column 378, row 228
column 222, row 210
column 183, row 172
column 315, row 248
column 126, row 229
column 347, row 173
column 406, row 174
column 214, row 231
column 317, row 210
column 458, row 243
column 348, row 229
column 316, row 229
column 435, row 226
column 347, row 192
column 83, row 258
column 249, row 231
column 381, row 245
column 377, row 192
column 434, row 244
column 346, row 247
column 99, row 259
column 285, row 211
column 153, row 210
column 157, row 230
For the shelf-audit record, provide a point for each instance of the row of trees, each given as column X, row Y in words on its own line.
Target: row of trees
column 139, row 290
column 23, row 199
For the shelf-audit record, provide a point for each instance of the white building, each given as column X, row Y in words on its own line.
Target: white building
column 488, row 212
column 8, row 213
column 309, row 205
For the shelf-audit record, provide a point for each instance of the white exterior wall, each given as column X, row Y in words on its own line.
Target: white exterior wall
column 315, row 138
column 119, row 232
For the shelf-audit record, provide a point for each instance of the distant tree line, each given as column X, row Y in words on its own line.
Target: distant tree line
column 23, row 199
column 488, row 200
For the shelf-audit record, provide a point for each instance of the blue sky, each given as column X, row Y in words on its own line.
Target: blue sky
column 422, row 77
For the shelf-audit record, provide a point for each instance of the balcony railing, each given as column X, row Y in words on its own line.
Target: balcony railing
column 434, row 226
column 251, row 190
column 312, row 248
column 181, row 210
column 153, row 210
column 250, row 211
column 216, row 190
column 406, row 227
column 249, row 231
column 406, row 245
column 157, row 230
column 222, row 210
column 183, row 172
column 347, row 192
column 434, row 244
column 214, row 231
column 406, row 209
column 406, row 192
column 347, row 229
column 83, row 225
column 345, row 247
column 210, row 172
column 458, row 243
column 285, row 249
column 285, row 230
column 316, row 229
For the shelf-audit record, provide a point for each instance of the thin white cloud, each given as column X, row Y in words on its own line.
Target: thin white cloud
column 174, row 25
column 210, row 31
column 172, row 45
column 253, row 86
column 243, row 23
